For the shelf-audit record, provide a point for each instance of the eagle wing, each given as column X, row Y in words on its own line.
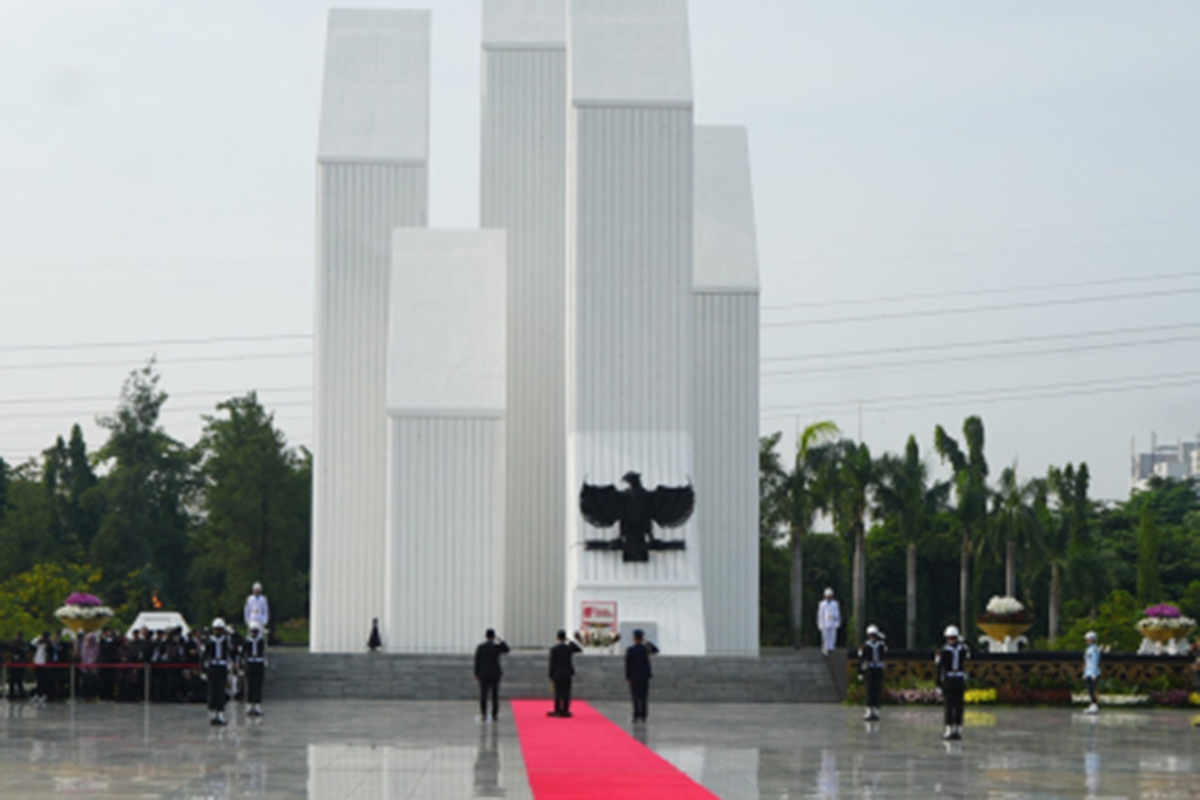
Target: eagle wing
column 600, row 505
column 671, row 506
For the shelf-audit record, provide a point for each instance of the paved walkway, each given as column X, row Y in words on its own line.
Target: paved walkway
column 375, row 750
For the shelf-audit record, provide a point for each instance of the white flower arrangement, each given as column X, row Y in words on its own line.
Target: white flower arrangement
column 1004, row 605
column 84, row 612
column 1167, row 623
column 1112, row 699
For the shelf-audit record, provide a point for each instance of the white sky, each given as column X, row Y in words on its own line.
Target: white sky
column 157, row 184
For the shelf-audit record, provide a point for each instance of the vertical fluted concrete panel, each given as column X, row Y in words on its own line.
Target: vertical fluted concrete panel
column 523, row 191
column 372, row 177
column 447, row 545
column 445, row 399
column 726, row 388
column 629, row 298
column 727, row 466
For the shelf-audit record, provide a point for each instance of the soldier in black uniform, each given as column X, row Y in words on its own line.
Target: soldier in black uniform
column 488, row 673
column 952, row 677
column 561, row 672
column 218, row 653
column 870, row 667
column 638, row 673
column 254, row 653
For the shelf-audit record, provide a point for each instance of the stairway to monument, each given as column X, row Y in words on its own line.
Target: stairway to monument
column 785, row 676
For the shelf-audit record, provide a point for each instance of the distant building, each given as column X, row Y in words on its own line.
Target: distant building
column 1178, row 461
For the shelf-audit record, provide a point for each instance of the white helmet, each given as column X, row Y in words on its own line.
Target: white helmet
column 951, row 632
column 1090, row 636
column 257, row 586
column 872, row 630
column 256, row 626
column 829, row 592
column 218, row 623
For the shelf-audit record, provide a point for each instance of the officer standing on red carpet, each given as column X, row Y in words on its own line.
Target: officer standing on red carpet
column 638, row 673
column 562, row 671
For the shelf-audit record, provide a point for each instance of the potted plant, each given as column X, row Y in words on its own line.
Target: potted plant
column 84, row 612
column 1164, row 629
column 1003, row 623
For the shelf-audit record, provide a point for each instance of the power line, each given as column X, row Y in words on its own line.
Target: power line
column 275, row 337
column 155, row 265
column 165, row 410
column 972, row 253
column 941, row 312
column 908, row 298
column 143, row 286
column 982, row 343
column 993, row 232
column 971, row 394
column 975, row 357
column 170, row 395
column 190, row 360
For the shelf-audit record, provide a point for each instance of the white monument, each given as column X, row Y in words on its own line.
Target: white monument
column 604, row 321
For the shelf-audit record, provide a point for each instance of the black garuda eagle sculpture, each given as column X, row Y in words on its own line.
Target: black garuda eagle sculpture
column 637, row 510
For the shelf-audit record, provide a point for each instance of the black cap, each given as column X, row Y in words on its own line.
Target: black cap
column 562, row 634
column 490, row 634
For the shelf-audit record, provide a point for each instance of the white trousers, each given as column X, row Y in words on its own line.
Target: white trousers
column 829, row 638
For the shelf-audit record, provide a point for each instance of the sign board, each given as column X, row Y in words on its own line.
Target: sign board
column 598, row 622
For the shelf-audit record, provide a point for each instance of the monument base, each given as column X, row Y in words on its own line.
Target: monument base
column 671, row 616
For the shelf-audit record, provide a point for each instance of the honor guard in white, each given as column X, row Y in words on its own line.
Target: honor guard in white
column 870, row 667
column 218, row 654
column 1091, row 670
column 952, row 677
column 254, row 654
column 829, row 619
column 256, row 608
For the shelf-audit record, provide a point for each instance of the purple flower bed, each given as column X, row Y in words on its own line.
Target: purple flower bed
column 1163, row 610
column 918, row 696
column 81, row 599
column 1171, row 697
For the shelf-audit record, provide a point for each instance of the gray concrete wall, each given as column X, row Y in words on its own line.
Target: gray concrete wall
column 791, row 677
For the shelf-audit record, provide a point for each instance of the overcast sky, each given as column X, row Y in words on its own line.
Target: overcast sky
column 928, row 176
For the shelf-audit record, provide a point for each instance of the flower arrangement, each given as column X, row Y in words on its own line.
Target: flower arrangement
column 84, row 612
column 1005, row 611
column 914, row 696
column 979, row 696
column 597, row 637
column 1165, row 616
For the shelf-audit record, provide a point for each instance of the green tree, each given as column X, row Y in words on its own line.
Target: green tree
column 256, row 511
column 149, row 491
column 847, row 485
column 29, row 599
column 26, row 536
column 912, row 504
column 1014, row 522
column 971, row 495
column 1149, row 575
column 1067, row 540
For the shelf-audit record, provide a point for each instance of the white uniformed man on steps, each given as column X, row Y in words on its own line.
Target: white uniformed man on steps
column 829, row 619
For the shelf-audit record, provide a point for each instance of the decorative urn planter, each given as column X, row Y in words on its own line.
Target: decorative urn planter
column 1003, row 624
column 84, row 613
column 1165, row 631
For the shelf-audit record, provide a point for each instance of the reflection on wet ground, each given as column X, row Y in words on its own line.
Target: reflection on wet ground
column 358, row 749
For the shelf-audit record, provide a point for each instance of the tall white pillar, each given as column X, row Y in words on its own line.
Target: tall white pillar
column 629, row 299
column 372, row 176
column 726, row 393
column 446, row 395
column 523, row 191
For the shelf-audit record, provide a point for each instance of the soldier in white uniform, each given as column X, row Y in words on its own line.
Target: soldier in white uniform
column 256, row 609
column 829, row 619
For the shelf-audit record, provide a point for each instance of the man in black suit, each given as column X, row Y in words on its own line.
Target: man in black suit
column 488, row 673
column 638, row 673
column 561, row 672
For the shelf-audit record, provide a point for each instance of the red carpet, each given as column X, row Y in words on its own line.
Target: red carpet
column 589, row 757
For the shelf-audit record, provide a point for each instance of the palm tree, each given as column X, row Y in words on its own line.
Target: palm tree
column 1069, row 530
column 971, row 495
column 847, row 484
column 1013, row 521
column 799, row 504
column 907, row 497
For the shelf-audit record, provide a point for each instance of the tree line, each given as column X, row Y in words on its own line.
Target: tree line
column 146, row 521
column 916, row 554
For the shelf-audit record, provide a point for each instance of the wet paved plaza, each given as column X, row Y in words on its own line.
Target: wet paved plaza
column 372, row 750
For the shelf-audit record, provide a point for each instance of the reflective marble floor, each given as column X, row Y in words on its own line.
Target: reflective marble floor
column 357, row 749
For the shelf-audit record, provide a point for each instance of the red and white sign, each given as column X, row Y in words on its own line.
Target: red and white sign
column 599, row 615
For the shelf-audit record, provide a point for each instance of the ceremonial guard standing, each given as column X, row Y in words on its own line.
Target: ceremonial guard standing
column 1091, row 670
column 488, row 673
column 829, row 619
column 952, row 677
column 870, row 666
column 257, row 609
column 561, row 672
column 638, row 673
column 254, row 653
column 218, row 652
